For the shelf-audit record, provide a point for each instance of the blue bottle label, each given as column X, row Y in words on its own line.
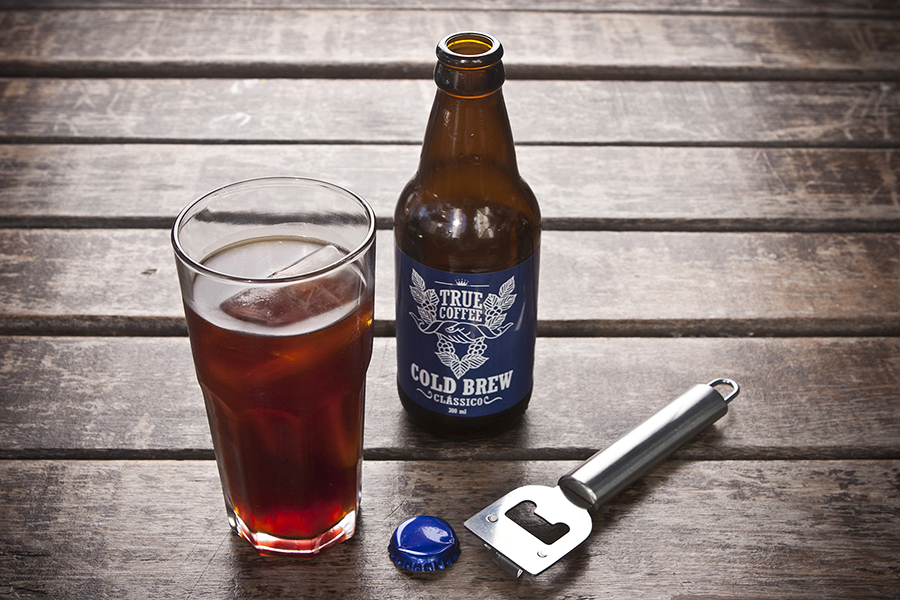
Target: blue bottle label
column 465, row 341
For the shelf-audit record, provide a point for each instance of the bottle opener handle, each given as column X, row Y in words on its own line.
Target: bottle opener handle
column 608, row 472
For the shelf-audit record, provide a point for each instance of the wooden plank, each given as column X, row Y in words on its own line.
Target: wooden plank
column 833, row 8
column 315, row 43
column 701, row 530
column 595, row 283
column 801, row 398
column 391, row 111
column 620, row 188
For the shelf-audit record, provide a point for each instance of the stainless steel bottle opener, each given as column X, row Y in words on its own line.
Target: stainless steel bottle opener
column 594, row 482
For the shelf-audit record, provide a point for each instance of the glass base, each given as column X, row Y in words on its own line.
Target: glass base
column 270, row 545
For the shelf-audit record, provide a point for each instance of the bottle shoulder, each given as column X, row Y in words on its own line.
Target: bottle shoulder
column 464, row 228
column 477, row 192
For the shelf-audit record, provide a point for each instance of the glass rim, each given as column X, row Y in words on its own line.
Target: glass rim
column 350, row 257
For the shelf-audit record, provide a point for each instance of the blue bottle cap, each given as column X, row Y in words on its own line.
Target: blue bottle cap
column 424, row 544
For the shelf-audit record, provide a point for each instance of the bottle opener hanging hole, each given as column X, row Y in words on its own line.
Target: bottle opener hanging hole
column 736, row 389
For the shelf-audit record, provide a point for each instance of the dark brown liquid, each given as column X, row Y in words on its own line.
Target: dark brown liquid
column 285, row 413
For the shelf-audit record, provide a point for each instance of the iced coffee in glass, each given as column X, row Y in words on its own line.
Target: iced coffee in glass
column 277, row 279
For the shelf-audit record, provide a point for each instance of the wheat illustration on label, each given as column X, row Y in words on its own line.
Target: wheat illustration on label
column 461, row 317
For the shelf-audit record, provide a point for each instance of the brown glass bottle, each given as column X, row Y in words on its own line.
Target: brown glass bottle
column 467, row 232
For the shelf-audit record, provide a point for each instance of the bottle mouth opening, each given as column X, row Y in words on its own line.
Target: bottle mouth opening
column 469, row 49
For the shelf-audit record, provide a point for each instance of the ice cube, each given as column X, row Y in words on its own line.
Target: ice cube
column 321, row 257
column 299, row 301
column 325, row 294
column 263, row 306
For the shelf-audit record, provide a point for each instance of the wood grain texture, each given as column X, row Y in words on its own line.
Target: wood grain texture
column 801, row 398
column 590, row 279
column 400, row 43
column 390, row 111
column 596, row 187
column 721, row 529
column 835, row 8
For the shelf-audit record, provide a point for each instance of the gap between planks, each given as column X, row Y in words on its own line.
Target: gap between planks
column 116, row 326
column 836, row 9
column 748, row 225
column 836, row 453
column 275, row 70
column 829, row 9
column 849, row 144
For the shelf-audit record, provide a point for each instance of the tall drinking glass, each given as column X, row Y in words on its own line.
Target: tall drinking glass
column 277, row 279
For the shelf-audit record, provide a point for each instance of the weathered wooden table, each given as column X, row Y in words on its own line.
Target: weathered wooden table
column 721, row 189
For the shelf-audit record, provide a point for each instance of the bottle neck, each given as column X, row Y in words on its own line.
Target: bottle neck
column 468, row 129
